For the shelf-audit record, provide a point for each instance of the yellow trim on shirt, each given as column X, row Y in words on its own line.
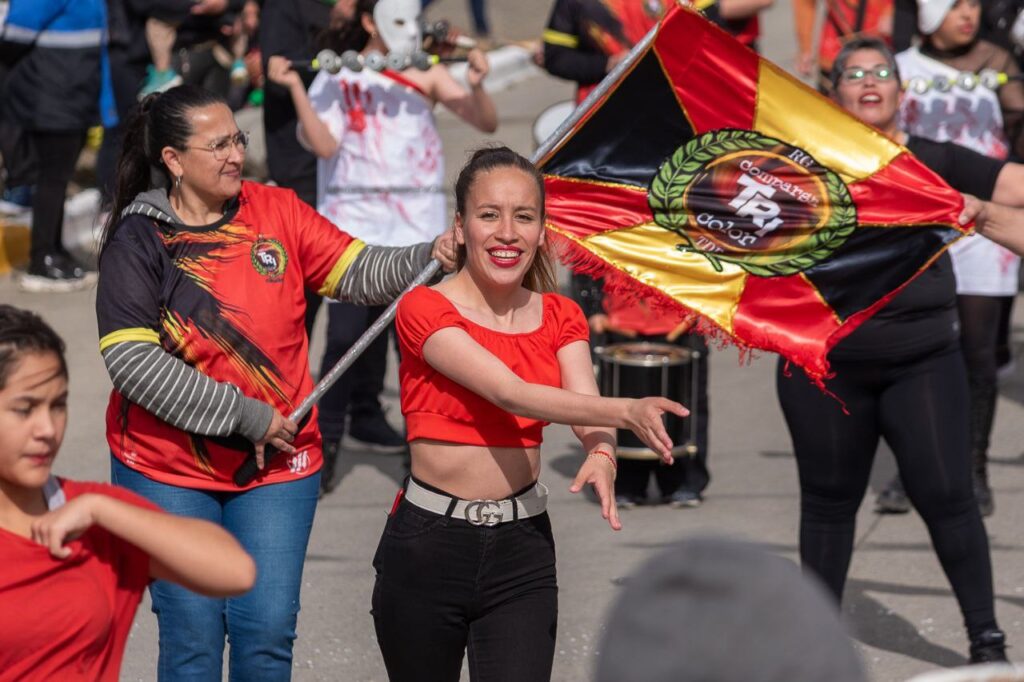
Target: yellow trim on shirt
column 348, row 256
column 132, row 334
column 561, row 39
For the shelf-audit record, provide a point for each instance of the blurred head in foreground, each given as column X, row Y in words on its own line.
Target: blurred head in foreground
column 711, row 609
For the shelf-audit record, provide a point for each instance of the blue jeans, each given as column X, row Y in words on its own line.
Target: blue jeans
column 272, row 523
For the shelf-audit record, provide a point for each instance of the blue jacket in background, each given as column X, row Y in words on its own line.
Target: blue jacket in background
column 59, row 78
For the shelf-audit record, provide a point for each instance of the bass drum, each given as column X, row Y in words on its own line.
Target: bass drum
column 640, row 370
column 549, row 120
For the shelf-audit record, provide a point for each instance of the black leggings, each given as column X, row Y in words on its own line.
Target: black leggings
column 445, row 586
column 919, row 406
column 56, row 154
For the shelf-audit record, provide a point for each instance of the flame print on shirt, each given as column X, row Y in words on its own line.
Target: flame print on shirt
column 212, row 327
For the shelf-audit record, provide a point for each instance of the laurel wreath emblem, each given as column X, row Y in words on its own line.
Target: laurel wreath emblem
column 278, row 248
column 668, row 188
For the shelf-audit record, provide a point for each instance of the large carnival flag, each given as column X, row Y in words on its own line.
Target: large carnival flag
column 708, row 180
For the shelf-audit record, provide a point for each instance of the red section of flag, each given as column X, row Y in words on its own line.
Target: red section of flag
column 771, row 304
column 903, row 193
column 698, row 63
column 570, row 206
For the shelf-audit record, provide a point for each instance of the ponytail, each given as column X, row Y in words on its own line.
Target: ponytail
column 161, row 120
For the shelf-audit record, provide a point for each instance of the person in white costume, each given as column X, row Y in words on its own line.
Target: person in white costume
column 953, row 95
column 380, row 175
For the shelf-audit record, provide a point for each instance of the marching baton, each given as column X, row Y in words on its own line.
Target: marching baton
column 245, row 474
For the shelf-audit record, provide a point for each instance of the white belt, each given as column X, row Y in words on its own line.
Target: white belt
column 481, row 512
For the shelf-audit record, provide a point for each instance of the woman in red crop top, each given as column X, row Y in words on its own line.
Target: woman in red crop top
column 488, row 358
column 77, row 556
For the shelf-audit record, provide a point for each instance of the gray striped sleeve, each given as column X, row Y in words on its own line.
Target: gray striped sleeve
column 181, row 395
column 380, row 273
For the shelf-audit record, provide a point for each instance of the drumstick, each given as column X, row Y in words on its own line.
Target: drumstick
column 248, row 470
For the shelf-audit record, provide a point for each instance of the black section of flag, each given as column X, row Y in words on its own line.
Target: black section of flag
column 875, row 259
column 630, row 135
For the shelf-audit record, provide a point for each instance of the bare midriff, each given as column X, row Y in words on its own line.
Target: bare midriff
column 474, row 472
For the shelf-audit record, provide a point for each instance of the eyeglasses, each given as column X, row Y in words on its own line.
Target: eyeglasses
column 222, row 148
column 857, row 74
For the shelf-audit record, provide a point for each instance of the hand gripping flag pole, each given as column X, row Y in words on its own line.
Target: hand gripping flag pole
column 249, row 470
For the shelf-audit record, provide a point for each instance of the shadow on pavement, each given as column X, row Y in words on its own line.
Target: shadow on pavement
column 876, row 625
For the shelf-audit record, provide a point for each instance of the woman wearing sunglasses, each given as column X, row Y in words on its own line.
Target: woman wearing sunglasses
column 201, row 317
column 900, row 376
column 948, row 98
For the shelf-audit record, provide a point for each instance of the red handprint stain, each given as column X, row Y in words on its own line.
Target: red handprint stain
column 357, row 101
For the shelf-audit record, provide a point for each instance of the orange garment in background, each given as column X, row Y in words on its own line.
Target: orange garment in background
column 632, row 20
column 632, row 314
column 840, row 25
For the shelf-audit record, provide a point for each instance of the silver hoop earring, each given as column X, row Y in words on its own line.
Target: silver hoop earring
column 177, row 182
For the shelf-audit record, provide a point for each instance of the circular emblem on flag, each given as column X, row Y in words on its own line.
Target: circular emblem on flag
column 740, row 197
column 269, row 258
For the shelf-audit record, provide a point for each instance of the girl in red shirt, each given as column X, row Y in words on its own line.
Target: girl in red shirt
column 488, row 358
column 77, row 556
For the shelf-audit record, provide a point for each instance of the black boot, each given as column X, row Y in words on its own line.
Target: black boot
column 327, row 482
column 983, row 410
column 982, row 491
column 989, row 647
column 893, row 498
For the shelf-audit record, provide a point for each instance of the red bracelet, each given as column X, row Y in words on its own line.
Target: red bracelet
column 605, row 453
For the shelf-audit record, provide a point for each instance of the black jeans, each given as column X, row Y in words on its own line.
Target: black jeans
column 919, row 405
column 57, row 153
column 444, row 586
column 358, row 390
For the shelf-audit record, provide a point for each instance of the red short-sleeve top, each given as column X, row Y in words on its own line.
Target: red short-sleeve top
column 69, row 619
column 438, row 408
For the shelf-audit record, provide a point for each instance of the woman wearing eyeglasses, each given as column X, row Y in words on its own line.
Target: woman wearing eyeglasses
column 201, row 317
column 946, row 101
column 899, row 376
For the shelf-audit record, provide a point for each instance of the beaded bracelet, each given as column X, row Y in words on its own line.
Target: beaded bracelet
column 605, row 453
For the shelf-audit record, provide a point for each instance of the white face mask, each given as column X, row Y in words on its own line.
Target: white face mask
column 398, row 22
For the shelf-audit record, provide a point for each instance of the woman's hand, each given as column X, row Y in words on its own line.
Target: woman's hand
column 601, row 324
column 478, row 69
column 59, row 526
column 804, row 63
column 614, row 61
column 974, row 210
column 280, row 434
column 444, row 251
column 280, row 71
column 643, row 417
column 599, row 471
